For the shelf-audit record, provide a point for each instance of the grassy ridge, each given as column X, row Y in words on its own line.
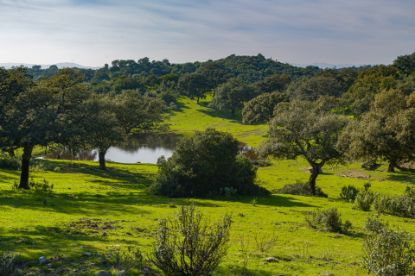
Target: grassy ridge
column 72, row 220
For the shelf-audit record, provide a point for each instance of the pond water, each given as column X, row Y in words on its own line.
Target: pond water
column 141, row 149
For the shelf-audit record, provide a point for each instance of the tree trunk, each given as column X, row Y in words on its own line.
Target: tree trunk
column 198, row 99
column 315, row 171
column 11, row 152
column 24, row 176
column 101, row 158
column 391, row 167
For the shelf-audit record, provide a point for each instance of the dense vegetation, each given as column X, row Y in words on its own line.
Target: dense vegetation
column 325, row 121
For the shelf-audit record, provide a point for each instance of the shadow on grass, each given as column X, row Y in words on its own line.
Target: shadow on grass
column 403, row 176
column 119, row 175
column 271, row 200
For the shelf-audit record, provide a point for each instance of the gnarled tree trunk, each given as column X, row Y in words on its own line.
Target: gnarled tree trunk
column 101, row 158
column 391, row 167
column 316, row 169
column 24, row 176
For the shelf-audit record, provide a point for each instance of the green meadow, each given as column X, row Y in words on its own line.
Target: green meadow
column 91, row 211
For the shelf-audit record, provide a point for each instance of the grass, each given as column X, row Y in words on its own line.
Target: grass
column 71, row 221
column 192, row 116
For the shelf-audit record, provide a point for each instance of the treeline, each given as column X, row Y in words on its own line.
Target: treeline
column 64, row 109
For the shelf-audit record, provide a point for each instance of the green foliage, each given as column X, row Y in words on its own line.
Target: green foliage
column 349, row 193
column 388, row 252
column 230, row 96
column 301, row 128
column 10, row 163
column 43, row 187
column 405, row 63
column 204, row 165
column 261, row 108
column 384, row 132
column 187, row 245
column 364, row 199
column 328, row 220
column 8, row 265
column 300, row 189
column 402, row 206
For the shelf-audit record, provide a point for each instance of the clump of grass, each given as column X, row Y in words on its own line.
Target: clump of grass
column 129, row 260
column 328, row 220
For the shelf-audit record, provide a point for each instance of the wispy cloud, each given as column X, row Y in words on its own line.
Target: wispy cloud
column 299, row 31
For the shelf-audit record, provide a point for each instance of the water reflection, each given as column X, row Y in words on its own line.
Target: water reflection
column 145, row 148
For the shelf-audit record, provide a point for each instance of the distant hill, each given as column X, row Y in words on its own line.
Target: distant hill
column 59, row 65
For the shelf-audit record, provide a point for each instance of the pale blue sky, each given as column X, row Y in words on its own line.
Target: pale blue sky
column 94, row 32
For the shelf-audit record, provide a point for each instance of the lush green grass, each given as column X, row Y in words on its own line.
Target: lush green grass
column 193, row 116
column 35, row 225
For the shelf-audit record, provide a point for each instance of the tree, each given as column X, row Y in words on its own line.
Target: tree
column 102, row 128
column 261, row 108
column 406, row 63
column 193, row 85
column 312, row 88
column 230, row 96
column 300, row 128
column 385, row 132
column 206, row 164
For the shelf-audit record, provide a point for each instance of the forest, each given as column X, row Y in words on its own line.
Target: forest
column 278, row 169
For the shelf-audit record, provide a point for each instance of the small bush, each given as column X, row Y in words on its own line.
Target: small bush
column 328, row 220
column 388, row 252
column 187, row 245
column 43, row 187
column 9, row 163
column 402, row 206
column 364, row 199
column 124, row 259
column 300, row 189
column 7, row 264
column 349, row 193
column 374, row 225
column 203, row 165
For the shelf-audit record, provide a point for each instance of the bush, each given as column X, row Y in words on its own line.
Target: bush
column 349, row 193
column 124, row 259
column 204, row 165
column 388, row 252
column 402, row 206
column 328, row 220
column 187, row 245
column 300, row 189
column 43, row 187
column 9, row 163
column 7, row 264
column 364, row 199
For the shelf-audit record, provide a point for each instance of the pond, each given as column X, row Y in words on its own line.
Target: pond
column 146, row 148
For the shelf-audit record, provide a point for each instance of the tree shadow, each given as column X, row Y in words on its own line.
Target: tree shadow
column 271, row 200
column 403, row 176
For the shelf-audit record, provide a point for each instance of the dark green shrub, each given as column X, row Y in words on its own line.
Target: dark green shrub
column 402, row 206
column 9, row 163
column 43, row 187
column 349, row 193
column 7, row 264
column 388, row 252
column 300, row 189
column 187, row 245
column 203, row 165
column 364, row 199
column 328, row 220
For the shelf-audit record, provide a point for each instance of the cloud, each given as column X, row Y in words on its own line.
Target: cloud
column 93, row 32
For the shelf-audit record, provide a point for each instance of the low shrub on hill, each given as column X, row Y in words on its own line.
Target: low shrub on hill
column 402, row 206
column 349, row 193
column 388, row 252
column 207, row 164
column 328, row 220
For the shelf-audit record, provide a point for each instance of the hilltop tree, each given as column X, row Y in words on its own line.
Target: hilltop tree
column 300, row 128
column 385, row 132
column 261, row 108
column 193, row 85
column 230, row 96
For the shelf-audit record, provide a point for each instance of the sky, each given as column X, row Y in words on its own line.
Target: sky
column 95, row 32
